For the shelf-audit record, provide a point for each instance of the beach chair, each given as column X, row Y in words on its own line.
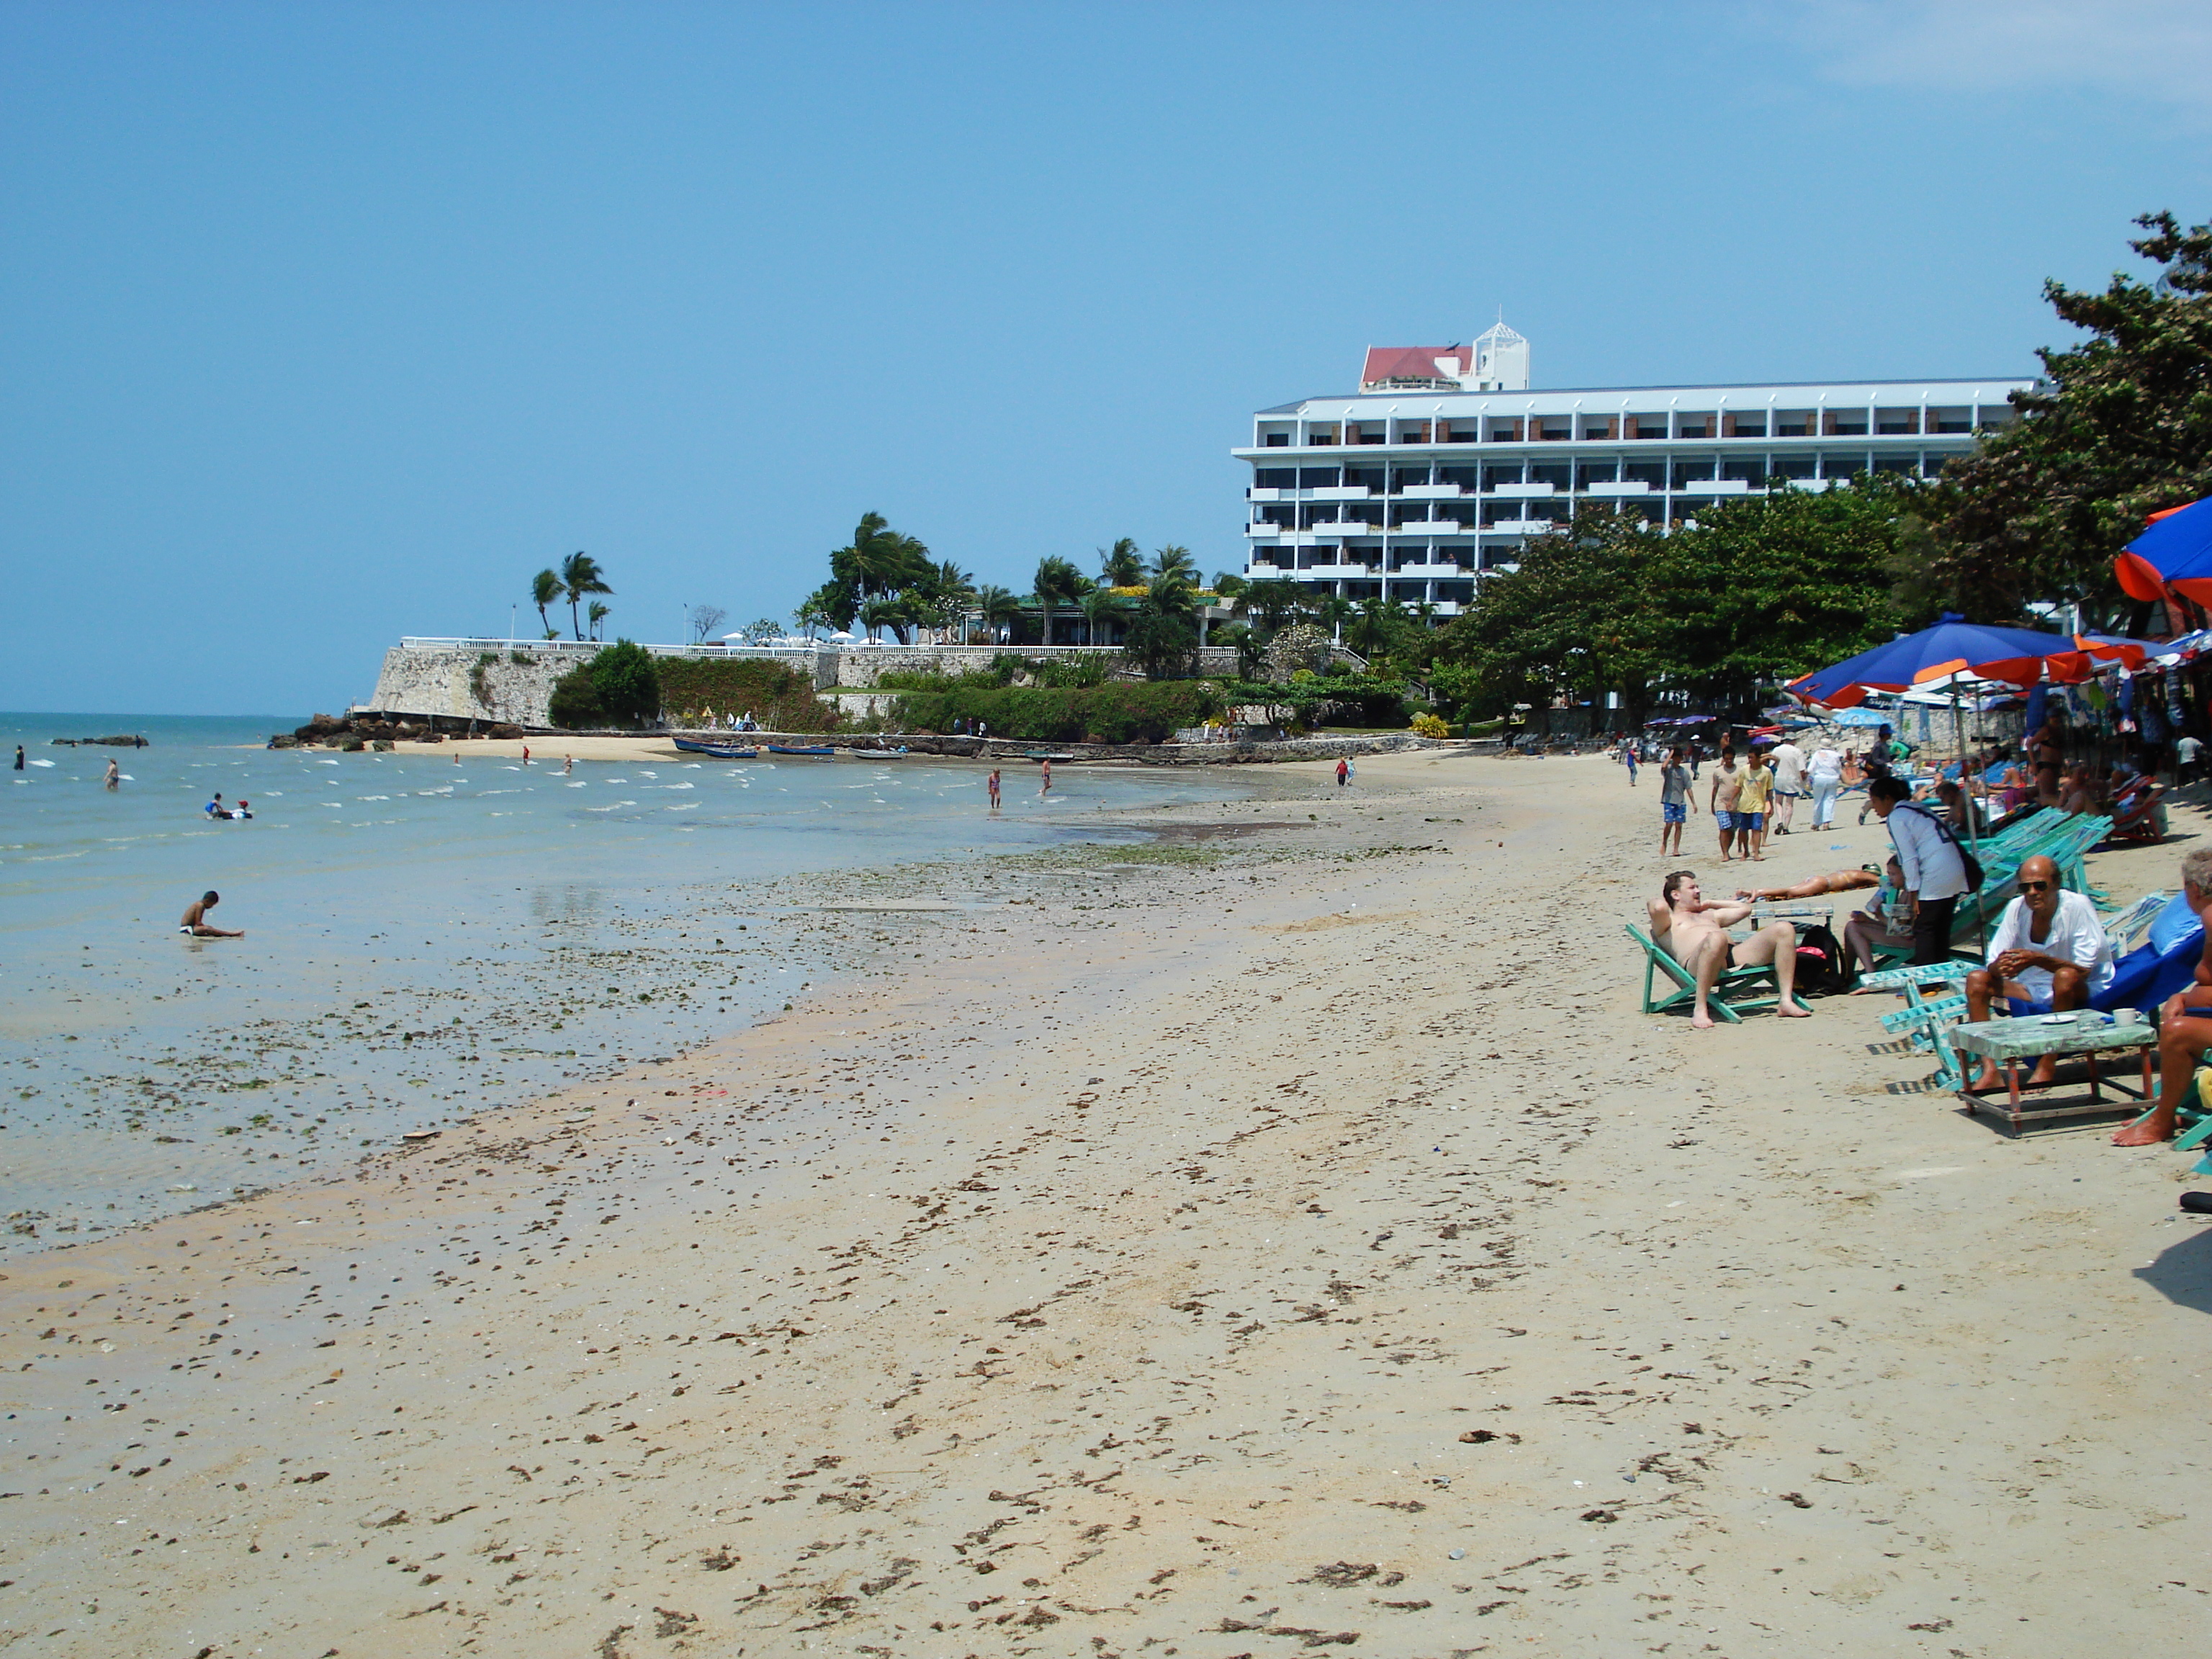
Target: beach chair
column 1725, row 1002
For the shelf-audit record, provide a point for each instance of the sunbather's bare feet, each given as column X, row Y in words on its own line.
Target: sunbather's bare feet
column 2149, row 1130
column 1701, row 1022
column 1987, row 1078
column 2044, row 1074
column 1790, row 1009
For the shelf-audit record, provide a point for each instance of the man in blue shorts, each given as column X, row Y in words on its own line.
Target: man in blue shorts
column 1674, row 804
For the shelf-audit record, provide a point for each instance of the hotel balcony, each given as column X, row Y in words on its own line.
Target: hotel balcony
column 1256, row 494
column 1443, row 492
column 1339, row 493
column 1522, row 491
column 1266, row 531
column 1614, row 486
column 1522, row 527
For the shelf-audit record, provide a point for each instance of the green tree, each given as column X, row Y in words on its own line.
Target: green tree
column 1332, row 611
column 595, row 613
column 877, row 615
column 581, row 575
column 1121, row 565
column 879, row 560
column 1058, row 582
column 627, row 684
column 997, row 607
column 1174, row 560
column 2120, row 428
column 544, row 590
column 1100, row 605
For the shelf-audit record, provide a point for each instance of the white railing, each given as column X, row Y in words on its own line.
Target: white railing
column 583, row 648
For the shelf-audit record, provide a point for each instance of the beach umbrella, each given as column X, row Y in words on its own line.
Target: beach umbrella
column 2173, row 555
column 1951, row 650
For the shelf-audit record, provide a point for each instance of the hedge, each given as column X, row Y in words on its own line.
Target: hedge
column 1121, row 712
column 781, row 697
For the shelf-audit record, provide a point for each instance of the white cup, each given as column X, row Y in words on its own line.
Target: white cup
column 2127, row 1017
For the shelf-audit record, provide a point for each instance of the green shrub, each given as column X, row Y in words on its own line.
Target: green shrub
column 1119, row 712
column 780, row 697
column 575, row 704
column 628, row 683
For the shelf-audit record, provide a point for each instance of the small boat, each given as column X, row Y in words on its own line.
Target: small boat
column 796, row 749
column 899, row 753
column 1039, row 755
column 718, row 750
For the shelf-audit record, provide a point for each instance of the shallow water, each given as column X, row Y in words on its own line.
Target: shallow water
column 423, row 938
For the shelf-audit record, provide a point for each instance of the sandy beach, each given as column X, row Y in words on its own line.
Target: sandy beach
column 1283, row 1234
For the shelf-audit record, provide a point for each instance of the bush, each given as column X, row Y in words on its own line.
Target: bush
column 575, row 703
column 628, row 683
column 1130, row 712
column 1427, row 725
column 781, row 697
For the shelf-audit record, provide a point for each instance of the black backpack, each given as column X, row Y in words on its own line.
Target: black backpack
column 1823, row 970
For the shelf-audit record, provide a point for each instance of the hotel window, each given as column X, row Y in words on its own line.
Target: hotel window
column 1494, row 476
column 1322, row 435
column 1995, row 416
column 1558, row 474
column 1687, row 473
column 1600, row 427
column 1950, row 420
column 1897, row 422
column 1318, row 477
column 1553, row 429
column 1363, row 477
column 1367, row 435
column 1276, row 477
column 1841, row 464
column 1646, row 426
column 1794, row 423
column 1845, row 423
column 1597, row 472
column 1792, row 466
column 1745, row 469
column 1402, row 475
column 1744, row 426
column 1455, row 593
column 1694, row 426
column 1931, row 465
column 1468, row 478
column 1903, row 464
column 1461, row 435
column 1502, row 431
column 1653, row 473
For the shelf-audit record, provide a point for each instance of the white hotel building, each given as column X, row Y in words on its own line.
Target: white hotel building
column 1459, row 461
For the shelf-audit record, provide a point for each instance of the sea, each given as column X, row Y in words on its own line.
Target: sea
column 426, row 938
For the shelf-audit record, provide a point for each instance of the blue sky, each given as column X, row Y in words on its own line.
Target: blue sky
column 321, row 324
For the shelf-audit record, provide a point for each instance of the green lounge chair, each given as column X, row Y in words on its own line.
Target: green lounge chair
column 1724, row 1002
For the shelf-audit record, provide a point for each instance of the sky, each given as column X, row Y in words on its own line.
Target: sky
column 321, row 324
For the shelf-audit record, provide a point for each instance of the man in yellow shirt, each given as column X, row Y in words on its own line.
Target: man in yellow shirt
column 1751, row 802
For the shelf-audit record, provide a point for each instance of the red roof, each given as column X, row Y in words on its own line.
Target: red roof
column 1410, row 362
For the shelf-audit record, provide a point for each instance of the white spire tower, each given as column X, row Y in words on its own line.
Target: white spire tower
column 1501, row 360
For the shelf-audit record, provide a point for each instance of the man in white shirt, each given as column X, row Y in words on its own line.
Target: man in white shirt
column 2048, row 947
column 1789, row 762
column 2186, row 752
column 1824, row 777
column 1935, row 874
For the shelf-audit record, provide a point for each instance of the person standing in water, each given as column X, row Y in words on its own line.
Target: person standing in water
column 992, row 784
column 19, row 757
column 114, row 772
column 1047, row 789
column 567, row 764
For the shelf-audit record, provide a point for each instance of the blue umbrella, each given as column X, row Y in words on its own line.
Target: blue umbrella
column 2174, row 554
column 1950, row 648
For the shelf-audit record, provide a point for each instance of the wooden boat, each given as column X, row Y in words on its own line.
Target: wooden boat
column 797, row 748
column 718, row 750
column 1039, row 755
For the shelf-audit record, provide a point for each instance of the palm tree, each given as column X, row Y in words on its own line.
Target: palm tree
column 580, row 574
column 1099, row 605
column 1121, row 565
column 1373, row 628
column 1057, row 580
column 1333, row 613
column 996, row 607
column 879, row 613
column 1174, row 560
column 879, row 560
column 595, row 614
column 544, row 590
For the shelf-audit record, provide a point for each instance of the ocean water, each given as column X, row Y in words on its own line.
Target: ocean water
column 423, row 938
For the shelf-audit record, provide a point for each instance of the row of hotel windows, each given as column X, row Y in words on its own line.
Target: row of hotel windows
column 1682, row 473
column 1613, row 429
column 1411, row 592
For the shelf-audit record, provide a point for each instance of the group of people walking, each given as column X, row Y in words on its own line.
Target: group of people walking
column 1750, row 800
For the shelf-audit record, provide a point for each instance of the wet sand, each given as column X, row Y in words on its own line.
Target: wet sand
column 1247, row 1243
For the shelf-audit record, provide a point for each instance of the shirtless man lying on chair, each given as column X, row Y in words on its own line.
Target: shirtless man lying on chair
column 1695, row 933
column 1836, row 881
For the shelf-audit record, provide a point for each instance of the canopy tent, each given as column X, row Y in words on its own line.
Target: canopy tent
column 2173, row 556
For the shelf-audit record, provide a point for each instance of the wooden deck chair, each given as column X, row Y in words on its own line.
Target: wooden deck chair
column 1724, row 1002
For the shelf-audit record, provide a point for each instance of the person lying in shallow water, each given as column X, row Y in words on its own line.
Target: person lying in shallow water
column 196, row 922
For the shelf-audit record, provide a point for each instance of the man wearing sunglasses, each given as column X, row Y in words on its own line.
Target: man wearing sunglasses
column 2048, row 946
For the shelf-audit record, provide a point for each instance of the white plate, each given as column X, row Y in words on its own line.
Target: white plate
column 2058, row 1019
